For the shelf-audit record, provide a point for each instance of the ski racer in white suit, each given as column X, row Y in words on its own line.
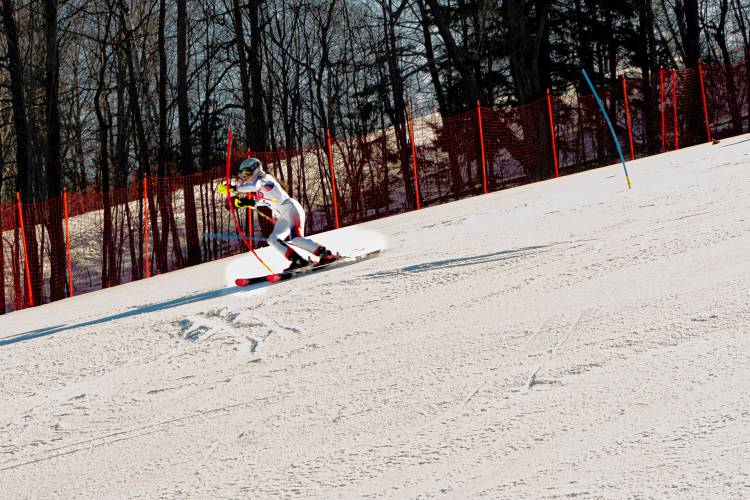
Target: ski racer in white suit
column 264, row 190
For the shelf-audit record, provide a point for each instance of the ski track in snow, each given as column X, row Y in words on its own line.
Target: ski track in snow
column 567, row 338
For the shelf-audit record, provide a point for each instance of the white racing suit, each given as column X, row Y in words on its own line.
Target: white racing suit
column 289, row 215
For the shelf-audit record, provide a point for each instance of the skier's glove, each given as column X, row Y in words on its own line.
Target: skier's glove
column 244, row 202
column 239, row 203
column 222, row 188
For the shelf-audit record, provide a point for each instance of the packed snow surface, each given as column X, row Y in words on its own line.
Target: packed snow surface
column 566, row 338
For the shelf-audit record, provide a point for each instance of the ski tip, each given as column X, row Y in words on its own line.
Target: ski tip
column 242, row 282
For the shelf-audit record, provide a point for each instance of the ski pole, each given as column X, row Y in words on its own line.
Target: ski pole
column 259, row 197
column 269, row 219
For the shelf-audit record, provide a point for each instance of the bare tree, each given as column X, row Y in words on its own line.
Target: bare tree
column 23, row 139
column 186, row 148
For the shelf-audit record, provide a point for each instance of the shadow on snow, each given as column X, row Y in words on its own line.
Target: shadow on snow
column 213, row 294
column 181, row 301
column 463, row 261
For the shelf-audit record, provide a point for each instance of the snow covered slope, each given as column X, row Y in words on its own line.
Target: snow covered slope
column 564, row 338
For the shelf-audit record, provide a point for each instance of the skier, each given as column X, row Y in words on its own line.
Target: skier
column 258, row 188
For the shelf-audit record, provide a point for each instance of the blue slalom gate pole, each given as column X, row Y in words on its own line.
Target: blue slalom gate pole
column 611, row 128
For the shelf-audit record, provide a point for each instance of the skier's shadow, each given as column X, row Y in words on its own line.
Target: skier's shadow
column 463, row 261
column 160, row 306
column 733, row 143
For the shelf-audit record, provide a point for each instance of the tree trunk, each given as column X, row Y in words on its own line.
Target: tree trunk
column 259, row 140
column 688, row 12
column 20, row 121
column 398, row 114
column 585, row 55
column 122, row 144
column 689, row 24
column 239, row 32
column 163, row 140
column 430, row 56
column 21, row 125
column 645, row 56
column 721, row 41
column 739, row 15
column 2, row 240
column 524, row 42
column 108, row 252
column 611, row 60
column 54, row 167
column 458, row 54
column 525, row 38
column 186, row 149
column 144, row 163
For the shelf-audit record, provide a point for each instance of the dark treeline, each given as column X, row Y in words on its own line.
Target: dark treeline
column 96, row 93
column 92, row 92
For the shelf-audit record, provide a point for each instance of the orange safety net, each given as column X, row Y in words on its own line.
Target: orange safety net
column 110, row 241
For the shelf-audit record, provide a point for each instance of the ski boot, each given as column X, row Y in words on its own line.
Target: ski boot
column 325, row 256
column 297, row 263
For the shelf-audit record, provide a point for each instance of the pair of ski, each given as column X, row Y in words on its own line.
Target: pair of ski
column 288, row 275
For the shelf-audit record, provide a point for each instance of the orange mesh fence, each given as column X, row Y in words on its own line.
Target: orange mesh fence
column 583, row 139
column 107, row 240
column 375, row 177
column 727, row 91
column 448, row 158
column 517, row 144
column 643, row 100
column 690, row 121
